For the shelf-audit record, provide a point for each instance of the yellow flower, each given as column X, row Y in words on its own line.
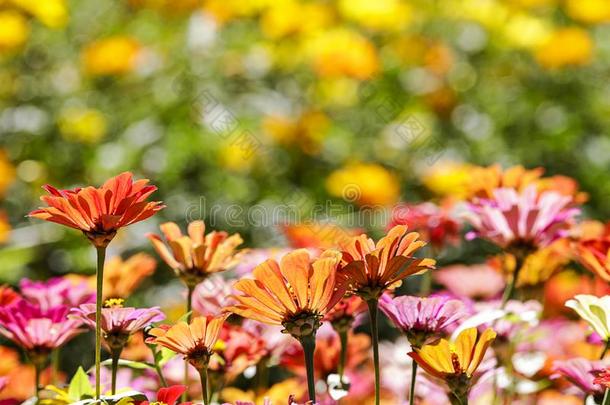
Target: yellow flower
column 276, row 394
column 526, row 31
column 82, row 125
column 377, row 15
column 490, row 13
column 342, row 52
column 588, row 11
column 367, row 184
column 567, row 46
column 235, row 158
column 307, row 131
column 14, row 30
column 7, row 172
column 111, row 56
column 449, row 179
column 52, row 13
column 226, row 10
column 454, row 359
column 293, row 17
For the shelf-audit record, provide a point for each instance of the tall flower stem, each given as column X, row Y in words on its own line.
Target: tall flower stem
column 606, row 347
column 203, row 376
column 37, row 371
column 309, row 346
column 509, row 291
column 606, row 400
column 373, row 305
column 115, row 355
column 189, row 316
column 54, row 365
column 413, row 378
column 101, row 257
column 343, row 355
column 456, row 399
column 155, row 354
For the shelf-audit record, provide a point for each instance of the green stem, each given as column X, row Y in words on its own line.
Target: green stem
column 343, row 356
column 101, row 256
column 606, row 347
column 426, row 283
column 189, row 316
column 153, row 349
column 37, row 371
column 203, row 375
column 606, row 400
column 54, row 365
column 373, row 305
column 509, row 291
column 456, row 399
column 115, row 354
column 309, row 346
column 413, row 378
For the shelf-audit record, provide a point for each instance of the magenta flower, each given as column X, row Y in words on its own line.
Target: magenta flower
column 580, row 372
column 421, row 319
column 511, row 219
column 56, row 292
column 37, row 330
column 118, row 322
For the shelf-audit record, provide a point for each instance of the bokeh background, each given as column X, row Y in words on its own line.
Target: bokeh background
column 229, row 104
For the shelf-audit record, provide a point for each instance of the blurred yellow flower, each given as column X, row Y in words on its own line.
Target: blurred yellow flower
column 342, row 52
column 565, row 47
column 365, row 184
column 5, row 227
column 306, row 131
column 448, row 179
column 7, row 172
column 337, row 91
column 490, row 13
column 293, row 17
column 82, row 124
column 14, row 30
column 111, row 56
column 227, row 10
column 167, row 6
column 526, row 31
column 235, row 158
column 277, row 394
column 588, row 11
column 390, row 15
column 52, row 13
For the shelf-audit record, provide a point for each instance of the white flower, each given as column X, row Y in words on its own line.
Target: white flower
column 594, row 310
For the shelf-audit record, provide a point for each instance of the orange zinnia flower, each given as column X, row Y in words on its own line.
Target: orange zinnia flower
column 372, row 268
column 594, row 255
column 195, row 341
column 100, row 212
column 122, row 277
column 296, row 293
column 197, row 255
column 455, row 362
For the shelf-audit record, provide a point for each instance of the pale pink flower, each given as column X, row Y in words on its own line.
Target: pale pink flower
column 529, row 218
column 421, row 319
column 35, row 329
column 580, row 372
column 118, row 320
column 489, row 282
column 212, row 295
column 56, row 291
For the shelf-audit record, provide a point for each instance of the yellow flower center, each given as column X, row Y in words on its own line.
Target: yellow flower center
column 158, row 403
column 114, row 303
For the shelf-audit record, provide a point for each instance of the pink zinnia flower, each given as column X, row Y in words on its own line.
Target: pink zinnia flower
column 212, row 295
column 529, row 219
column 580, row 372
column 56, row 292
column 36, row 330
column 421, row 319
column 489, row 281
column 118, row 322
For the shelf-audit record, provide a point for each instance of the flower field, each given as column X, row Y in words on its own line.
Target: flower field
column 304, row 202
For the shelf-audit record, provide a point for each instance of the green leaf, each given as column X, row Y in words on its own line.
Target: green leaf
column 166, row 355
column 80, row 385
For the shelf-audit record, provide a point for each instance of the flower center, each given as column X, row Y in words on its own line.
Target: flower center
column 114, row 303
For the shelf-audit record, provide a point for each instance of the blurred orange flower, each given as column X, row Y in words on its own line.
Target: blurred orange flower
column 307, row 131
column 371, row 268
column 296, row 293
column 100, row 212
column 111, row 56
column 594, row 255
column 317, row 235
column 197, row 255
column 122, row 277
